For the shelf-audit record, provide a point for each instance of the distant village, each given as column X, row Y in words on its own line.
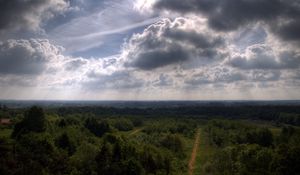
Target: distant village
column 5, row 121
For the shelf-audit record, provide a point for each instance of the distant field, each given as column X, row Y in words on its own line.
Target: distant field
column 5, row 132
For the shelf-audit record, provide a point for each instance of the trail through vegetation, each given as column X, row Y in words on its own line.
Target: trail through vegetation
column 136, row 131
column 194, row 153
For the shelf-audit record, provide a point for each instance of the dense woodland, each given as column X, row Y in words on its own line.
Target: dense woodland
column 248, row 149
column 235, row 140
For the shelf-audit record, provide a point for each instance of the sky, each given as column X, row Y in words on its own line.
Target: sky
column 150, row 49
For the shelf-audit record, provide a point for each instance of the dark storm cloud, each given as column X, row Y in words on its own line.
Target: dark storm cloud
column 283, row 16
column 153, row 59
column 25, row 57
column 21, row 14
column 171, row 42
column 199, row 40
column 288, row 30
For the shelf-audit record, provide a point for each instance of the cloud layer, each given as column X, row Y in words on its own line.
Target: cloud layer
column 168, row 49
column 173, row 42
column 17, row 15
column 282, row 16
column 27, row 57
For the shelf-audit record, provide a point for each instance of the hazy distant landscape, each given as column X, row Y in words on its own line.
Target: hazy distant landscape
column 146, row 104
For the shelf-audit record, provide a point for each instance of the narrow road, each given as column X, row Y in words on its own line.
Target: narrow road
column 194, row 153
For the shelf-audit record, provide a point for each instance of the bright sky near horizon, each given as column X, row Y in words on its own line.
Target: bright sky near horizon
column 150, row 49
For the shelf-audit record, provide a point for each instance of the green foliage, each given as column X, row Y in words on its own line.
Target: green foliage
column 289, row 118
column 264, row 137
column 289, row 135
column 83, row 160
column 37, row 154
column 154, row 161
column 123, row 124
column 257, row 160
column 65, row 143
column 185, row 127
column 119, row 158
column 96, row 127
column 223, row 133
column 7, row 161
column 242, row 159
column 286, row 160
column 174, row 142
column 62, row 123
column 155, row 127
column 255, row 153
column 84, row 143
column 137, row 121
column 34, row 121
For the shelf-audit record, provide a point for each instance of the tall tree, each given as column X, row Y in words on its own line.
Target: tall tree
column 34, row 121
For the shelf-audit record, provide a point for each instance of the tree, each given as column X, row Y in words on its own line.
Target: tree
column 34, row 121
column 65, row 143
column 264, row 137
column 103, row 159
column 97, row 128
column 286, row 160
column 123, row 124
column 35, row 153
column 173, row 142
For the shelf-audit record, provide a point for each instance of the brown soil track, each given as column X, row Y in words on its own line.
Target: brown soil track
column 194, row 154
column 136, row 131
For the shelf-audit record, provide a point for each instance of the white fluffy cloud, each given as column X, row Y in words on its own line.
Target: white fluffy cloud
column 27, row 57
column 262, row 56
column 170, row 42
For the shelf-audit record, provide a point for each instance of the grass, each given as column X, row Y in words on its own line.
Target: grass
column 205, row 151
column 5, row 132
column 275, row 131
column 189, row 144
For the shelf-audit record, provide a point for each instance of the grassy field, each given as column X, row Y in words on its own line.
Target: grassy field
column 204, row 152
column 189, row 142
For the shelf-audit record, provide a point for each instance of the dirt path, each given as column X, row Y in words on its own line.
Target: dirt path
column 135, row 131
column 194, row 153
